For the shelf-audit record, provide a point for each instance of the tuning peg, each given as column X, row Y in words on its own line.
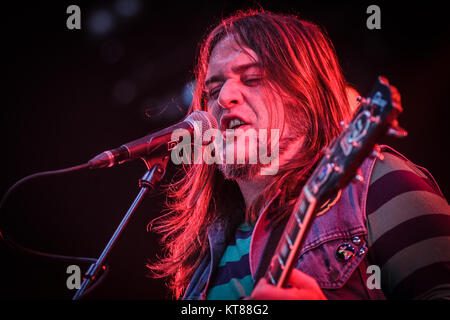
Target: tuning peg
column 375, row 119
column 343, row 125
column 326, row 152
column 397, row 132
column 337, row 168
column 362, row 100
column 376, row 153
column 358, row 177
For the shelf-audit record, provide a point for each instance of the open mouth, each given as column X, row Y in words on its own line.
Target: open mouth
column 235, row 123
column 232, row 122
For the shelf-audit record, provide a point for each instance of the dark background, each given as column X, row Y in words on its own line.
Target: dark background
column 70, row 94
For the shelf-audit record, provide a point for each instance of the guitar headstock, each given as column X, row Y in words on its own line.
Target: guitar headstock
column 375, row 117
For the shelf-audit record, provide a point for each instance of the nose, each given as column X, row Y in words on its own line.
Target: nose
column 230, row 95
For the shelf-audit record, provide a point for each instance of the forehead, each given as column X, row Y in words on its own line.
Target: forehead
column 227, row 55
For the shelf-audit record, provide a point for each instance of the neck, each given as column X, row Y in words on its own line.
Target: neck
column 252, row 189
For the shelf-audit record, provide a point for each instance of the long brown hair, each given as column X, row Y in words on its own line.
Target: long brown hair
column 300, row 62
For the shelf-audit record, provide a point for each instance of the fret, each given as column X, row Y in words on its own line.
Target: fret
column 302, row 205
column 271, row 279
column 288, row 239
column 299, row 222
column 275, row 269
column 285, row 250
column 284, row 256
column 309, row 196
column 280, row 261
column 293, row 229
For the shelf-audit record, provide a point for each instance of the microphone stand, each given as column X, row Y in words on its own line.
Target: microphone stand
column 156, row 168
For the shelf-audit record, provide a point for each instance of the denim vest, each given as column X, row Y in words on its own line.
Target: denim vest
column 342, row 226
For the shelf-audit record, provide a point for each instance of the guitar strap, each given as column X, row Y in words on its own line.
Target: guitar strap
column 269, row 249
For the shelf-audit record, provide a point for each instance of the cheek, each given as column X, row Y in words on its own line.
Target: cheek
column 274, row 113
column 213, row 109
column 260, row 105
column 209, row 107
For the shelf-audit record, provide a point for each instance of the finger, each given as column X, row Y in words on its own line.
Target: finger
column 265, row 291
column 307, row 286
column 301, row 280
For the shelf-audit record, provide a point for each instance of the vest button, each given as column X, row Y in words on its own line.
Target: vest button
column 345, row 252
column 356, row 240
column 361, row 252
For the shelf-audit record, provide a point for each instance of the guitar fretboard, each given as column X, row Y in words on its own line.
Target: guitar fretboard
column 291, row 240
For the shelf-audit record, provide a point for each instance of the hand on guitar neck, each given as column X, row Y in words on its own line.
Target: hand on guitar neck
column 300, row 287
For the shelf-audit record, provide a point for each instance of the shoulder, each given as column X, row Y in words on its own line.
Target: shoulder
column 394, row 164
column 396, row 179
column 408, row 221
column 400, row 191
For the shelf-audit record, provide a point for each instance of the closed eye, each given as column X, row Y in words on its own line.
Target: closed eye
column 252, row 81
column 213, row 93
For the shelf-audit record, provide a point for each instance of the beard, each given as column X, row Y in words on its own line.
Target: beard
column 239, row 171
column 249, row 171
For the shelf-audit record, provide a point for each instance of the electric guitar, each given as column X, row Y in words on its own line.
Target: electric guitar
column 375, row 117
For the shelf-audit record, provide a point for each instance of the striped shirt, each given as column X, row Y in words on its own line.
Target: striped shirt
column 233, row 279
column 408, row 222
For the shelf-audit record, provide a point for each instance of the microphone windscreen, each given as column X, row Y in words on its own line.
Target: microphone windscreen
column 206, row 119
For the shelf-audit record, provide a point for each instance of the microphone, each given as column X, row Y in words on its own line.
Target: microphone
column 196, row 121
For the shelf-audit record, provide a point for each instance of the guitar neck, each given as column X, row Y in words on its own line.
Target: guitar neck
column 292, row 239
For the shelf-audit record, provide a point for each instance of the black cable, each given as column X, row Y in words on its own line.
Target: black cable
column 12, row 244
